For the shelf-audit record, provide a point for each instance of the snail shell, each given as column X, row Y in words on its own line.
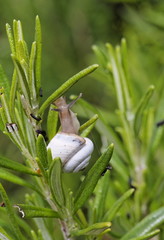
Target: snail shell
column 73, row 150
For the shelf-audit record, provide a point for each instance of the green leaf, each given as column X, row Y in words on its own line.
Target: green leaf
column 147, row 224
column 120, row 167
column 11, row 127
column 40, row 237
column 18, row 36
column 22, row 51
column 39, row 222
column 29, row 211
column 38, row 39
column 4, row 235
column 117, row 205
column 156, row 140
column 11, row 214
column 41, row 225
column 68, row 84
column 100, row 55
column 34, row 236
column 4, row 106
column 87, row 110
column 2, row 116
column 41, row 168
column 42, row 151
column 147, row 124
column 126, row 134
column 24, row 225
column 32, row 80
column 10, row 164
column 55, row 181
column 117, row 78
column 147, row 236
column 52, row 121
column 17, row 180
column 4, row 82
column 13, row 93
column 86, row 128
column 22, row 78
column 49, row 156
column 81, row 216
column 6, row 119
column 94, row 229
column 141, row 107
column 100, row 192
column 25, row 128
column 124, row 81
column 87, row 186
column 125, row 57
column 10, row 38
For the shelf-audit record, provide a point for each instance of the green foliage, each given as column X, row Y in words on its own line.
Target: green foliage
column 134, row 156
column 52, row 121
column 10, row 164
column 92, row 178
column 117, row 205
column 29, row 211
column 95, row 229
column 22, row 117
column 42, row 151
column 55, row 182
column 147, row 224
column 69, row 83
column 17, row 180
column 103, row 206
column 10, row 211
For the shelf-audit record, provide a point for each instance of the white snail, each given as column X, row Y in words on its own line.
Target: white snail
column 73, row 150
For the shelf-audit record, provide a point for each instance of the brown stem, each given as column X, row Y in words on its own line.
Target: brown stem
column 65, row 231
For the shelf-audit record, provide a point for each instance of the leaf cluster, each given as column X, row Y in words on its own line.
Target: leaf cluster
column 121, row 204
column 21, row 120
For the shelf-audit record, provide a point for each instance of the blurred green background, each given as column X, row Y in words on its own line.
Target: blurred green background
column 69, row 30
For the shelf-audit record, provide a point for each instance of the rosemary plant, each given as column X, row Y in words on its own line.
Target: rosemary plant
column 51, row 204
column 21, row 119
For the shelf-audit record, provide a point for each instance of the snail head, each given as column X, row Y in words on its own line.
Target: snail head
column 68, row 119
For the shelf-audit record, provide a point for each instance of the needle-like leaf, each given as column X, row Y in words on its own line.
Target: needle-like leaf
column 68, row 84
column 150, row 222
column 147, row 236
column 4, row 235
column 141, row 107
column 4, row 82
column 117, row 205
column 29, row 211
column 52, row 121
column 55, row 181
column 10, row 164
column 38, row 39
column 17, row 180
column 42, row 151
column 87, row 186
column 11, row 214
column 94, row 229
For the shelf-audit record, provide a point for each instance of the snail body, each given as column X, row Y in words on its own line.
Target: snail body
column 73, row 150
